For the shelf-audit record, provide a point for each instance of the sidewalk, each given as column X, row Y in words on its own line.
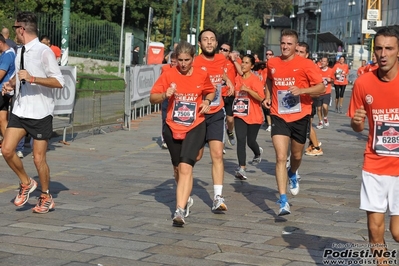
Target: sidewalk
column 114, row 196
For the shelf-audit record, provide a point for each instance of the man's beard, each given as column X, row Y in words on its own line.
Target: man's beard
column 206, row 53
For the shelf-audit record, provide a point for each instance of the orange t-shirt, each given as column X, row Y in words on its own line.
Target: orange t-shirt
column 299, row 72
column 231, row 72
column 262, row 75
column 245, row 106
column 380, row 100
column 56, row 50
column 166, row 68
column 360, row 71
column 215, row 69
column 325, row 74
column 183, row 108
column 370, row 67
column 341, row 72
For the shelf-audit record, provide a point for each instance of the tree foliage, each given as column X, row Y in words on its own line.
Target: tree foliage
column 221, row 15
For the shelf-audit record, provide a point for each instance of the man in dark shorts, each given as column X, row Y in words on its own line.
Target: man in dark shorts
column 37, row 75
column 288, row 95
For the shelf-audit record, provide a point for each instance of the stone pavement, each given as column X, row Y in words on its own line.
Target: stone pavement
column 115, row 195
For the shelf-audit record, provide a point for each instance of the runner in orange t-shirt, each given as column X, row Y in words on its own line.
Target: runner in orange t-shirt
column 164, row 105
column 373, row 66
column 341, row 71
column 231, row 72
column 248, row 116
column 324, row 100
column 190, row 93
column 360, row 70
column 314, row 149
column 375, row 96
column 266, row 111
column 291, row 82
column 215, row 65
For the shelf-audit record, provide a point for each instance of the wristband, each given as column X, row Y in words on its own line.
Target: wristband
column 32, row 79
column 208, row 101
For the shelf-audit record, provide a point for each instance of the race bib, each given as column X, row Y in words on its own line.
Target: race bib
column 184, row 113
column 288, row 103
column 241, row 106
column 386, row 138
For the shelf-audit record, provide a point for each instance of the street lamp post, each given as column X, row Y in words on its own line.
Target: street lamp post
column 178, row 20
column 246, row 37
column 292, row 17
column 173, row 24
column 317, row 13
column 270, row 32
column 235, row 30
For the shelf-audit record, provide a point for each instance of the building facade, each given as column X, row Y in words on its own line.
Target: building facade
column 336, row 25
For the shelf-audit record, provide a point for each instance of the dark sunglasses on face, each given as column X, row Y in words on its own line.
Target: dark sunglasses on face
column 224, row 49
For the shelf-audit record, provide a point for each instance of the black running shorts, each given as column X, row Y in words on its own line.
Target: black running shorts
column 296, row 130
column 40, row 129
column 186, row 150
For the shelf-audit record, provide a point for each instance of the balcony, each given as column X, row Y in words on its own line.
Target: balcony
column 310, row 6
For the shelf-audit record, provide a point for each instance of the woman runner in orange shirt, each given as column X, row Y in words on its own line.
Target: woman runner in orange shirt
column 248, row 114
column 190, row 92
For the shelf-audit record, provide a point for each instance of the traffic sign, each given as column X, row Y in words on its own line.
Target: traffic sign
column 373, row 14
column 368, row 25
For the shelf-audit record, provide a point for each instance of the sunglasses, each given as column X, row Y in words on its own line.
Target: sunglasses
column 17, row 27
column 269, row 54
column 224, row 49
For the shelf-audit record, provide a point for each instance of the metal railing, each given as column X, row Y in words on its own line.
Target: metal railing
column 99, row 102
column 92, row 38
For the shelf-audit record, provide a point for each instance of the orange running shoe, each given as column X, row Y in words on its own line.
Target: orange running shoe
column 24, row 191
column 315, row 152
column 44, row 205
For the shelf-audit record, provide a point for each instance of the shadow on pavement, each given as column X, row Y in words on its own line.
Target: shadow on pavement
column 315, row 245
column 164, row 193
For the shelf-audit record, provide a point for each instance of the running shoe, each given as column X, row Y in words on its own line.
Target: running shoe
column 241, row 173
column 315, row 152
column 20, row 154
column 320, row 125
column 257, row 159
column 340, row 110
column 178, row 218
column 269, row 128
column 218, row 204
column 164, row 146
column 284, row 208
column 24, row 191
column 326, row 123
column 294, row 185
column 190, row 203
column 311, row 147
column 44, row 205
column 1, row 153
column 231, row 139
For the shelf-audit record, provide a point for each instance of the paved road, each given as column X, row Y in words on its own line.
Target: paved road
column 115, row 196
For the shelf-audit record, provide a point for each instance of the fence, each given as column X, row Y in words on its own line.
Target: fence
column 99, row 102
column 97, row 39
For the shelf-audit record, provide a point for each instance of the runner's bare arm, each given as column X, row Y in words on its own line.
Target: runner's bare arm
column 267, row 102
